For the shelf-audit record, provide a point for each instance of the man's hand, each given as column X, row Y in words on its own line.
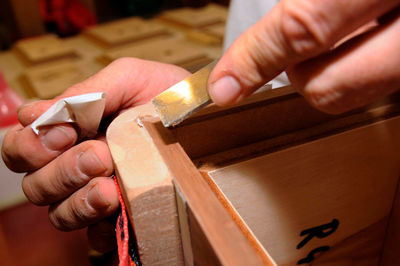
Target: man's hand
column 301, row 37
column 74, row 178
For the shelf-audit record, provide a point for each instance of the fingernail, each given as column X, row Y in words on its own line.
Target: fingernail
column 90, row 164
column 225, row 90
column 95, row 199
column 56, row 138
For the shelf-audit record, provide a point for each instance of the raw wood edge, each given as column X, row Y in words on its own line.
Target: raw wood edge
column 226, row 238
column 147, row 189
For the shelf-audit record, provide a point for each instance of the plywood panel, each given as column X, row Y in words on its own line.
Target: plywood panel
column 10, row 65
column 349, row 178
column 84, row 47
column 12, row 68
column 216, row 30
column 210, row 35
column 126, row 31
column 147, row 189
column 170, row 51
column 196, row 17
column 43, row 49
column 49, row 80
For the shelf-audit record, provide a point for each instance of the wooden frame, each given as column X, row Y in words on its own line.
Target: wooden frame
column 193, row 192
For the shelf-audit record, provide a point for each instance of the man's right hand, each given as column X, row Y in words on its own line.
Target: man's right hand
column 301, row 37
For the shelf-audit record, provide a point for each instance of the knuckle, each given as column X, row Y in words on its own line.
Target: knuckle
column 100, row 162
column 32, row 192
column 70, row 176
column 81, row 211
column 58, row 221
column 67, row 179
column 254, row 59
column 304, row 28
column 324, row 99
column 73, row 213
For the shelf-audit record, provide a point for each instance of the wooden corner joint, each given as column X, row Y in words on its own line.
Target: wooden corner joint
column 147, row 188
column 148, row 162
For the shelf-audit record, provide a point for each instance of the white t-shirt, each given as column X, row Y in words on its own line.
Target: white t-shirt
column 242, row 15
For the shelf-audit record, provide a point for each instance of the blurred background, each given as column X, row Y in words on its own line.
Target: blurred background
column 48, row 45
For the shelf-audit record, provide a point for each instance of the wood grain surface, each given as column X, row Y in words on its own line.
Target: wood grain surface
column 334, row 172
column 351, row 177
column 147, row 189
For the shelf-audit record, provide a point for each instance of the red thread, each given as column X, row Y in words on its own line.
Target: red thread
column 123, row 235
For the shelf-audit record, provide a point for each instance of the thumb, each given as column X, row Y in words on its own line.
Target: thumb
column 250, row 62
column 293, row 31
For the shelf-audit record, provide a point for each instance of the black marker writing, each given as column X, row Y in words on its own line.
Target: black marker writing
column 320, row 231
column 310, row 256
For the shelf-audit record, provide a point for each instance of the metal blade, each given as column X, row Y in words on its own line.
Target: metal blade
column 184, row 98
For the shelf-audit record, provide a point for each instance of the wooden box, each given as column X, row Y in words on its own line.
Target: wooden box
column 271, row 181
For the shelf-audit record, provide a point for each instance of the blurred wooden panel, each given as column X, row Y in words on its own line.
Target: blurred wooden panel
column 10, row 65
column 216, row 30
column 210, row 35
column 125, row 31
column 170, row 51
column 43, row 49
column 196, row 17
column 84, row 47
column 50, row 80
column 12, row 68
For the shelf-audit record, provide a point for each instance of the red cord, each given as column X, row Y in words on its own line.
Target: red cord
column 122, row 230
